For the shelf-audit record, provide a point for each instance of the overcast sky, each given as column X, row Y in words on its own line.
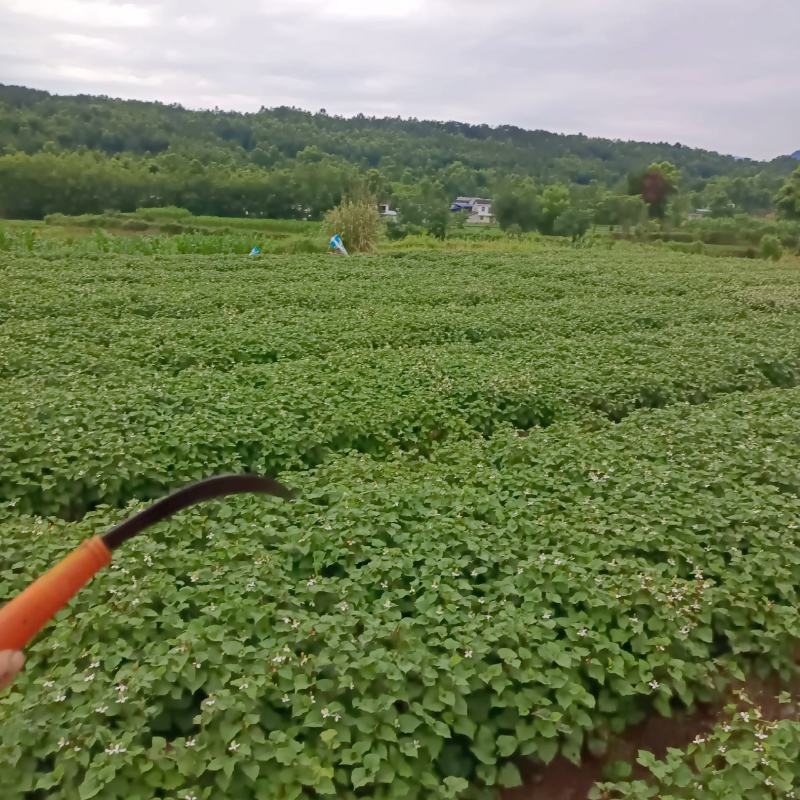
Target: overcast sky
column 720, row 74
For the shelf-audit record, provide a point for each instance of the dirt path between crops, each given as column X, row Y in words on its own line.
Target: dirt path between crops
column 562, row 780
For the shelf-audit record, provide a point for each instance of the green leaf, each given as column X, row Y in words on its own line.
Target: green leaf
column 89, row 787
column 360, row 777
column 546, row 750
column 508, row 777
column 250, row 768
column 408, row 723
column 506, row 746
column 456, row 785
column 328, row 736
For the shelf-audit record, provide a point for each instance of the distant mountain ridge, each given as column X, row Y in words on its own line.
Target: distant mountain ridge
column 796, row 155
column 467, row 156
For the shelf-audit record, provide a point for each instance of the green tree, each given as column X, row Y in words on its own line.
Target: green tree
column 574, row 222
column 517, row 203
column 624, row 210
column 552, row 204
column 720, row 203
column 424, row 204
column 787, row 201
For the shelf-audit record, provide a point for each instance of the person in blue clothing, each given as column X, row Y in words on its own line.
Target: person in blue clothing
column 337, row 245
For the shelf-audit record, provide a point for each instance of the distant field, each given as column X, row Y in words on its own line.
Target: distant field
column 158, row 218
column 541, row 495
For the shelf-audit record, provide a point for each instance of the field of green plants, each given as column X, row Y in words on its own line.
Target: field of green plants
column 540, row 496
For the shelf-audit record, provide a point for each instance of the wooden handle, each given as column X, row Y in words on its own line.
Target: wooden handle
column 24, row 616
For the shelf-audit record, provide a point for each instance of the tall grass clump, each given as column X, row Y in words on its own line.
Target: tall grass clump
column 357, row 221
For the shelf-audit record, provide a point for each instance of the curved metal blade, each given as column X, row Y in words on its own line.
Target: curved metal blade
column 208, row 489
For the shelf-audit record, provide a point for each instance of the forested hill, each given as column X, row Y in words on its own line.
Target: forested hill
column 88, row 154
column 32, row 120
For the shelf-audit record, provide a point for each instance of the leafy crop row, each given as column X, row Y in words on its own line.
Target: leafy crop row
column 538, row 499
column 116, row 388
column 756, row 755
column 396, row 628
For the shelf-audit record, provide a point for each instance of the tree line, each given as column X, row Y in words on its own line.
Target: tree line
column 87, row 154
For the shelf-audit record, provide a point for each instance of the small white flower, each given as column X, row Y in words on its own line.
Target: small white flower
column 94, row 665
column 233, row 747
column 49, row 684
column 474, row 573
column 654, row 685
column 699, row 739
column 435, row 585
column 60, row 698
column 745, row 716
column 685, row 630
column 197, row 665
column 209, row 701
column 417, row 745
column 77, row 748
column 337, row 717
column 190, row 796
column 583, row 632
column 468, row 654
column 387, row 604
column 115, row 749
column 191, row 742
column 761, row 735
column 311, row 582
column 343, row 607
column 121, row 688
column 547, row 615
column 62, row 742
column 384, row 585
column 285, row 699
column 101, row 709
column 88, row 678
column 194, row 578
column 250, row 586
column 768, row 781
column 723, row 749
column 244, row 686
column 325, row 713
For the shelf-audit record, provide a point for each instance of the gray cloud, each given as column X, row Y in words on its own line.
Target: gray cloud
column 708, row 73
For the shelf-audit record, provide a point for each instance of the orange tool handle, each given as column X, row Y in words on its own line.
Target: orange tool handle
column 24, row 616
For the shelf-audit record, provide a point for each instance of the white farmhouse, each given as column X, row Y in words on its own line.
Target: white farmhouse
column 479, row 208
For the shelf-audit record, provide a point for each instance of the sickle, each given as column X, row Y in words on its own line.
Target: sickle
column 26, row 614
